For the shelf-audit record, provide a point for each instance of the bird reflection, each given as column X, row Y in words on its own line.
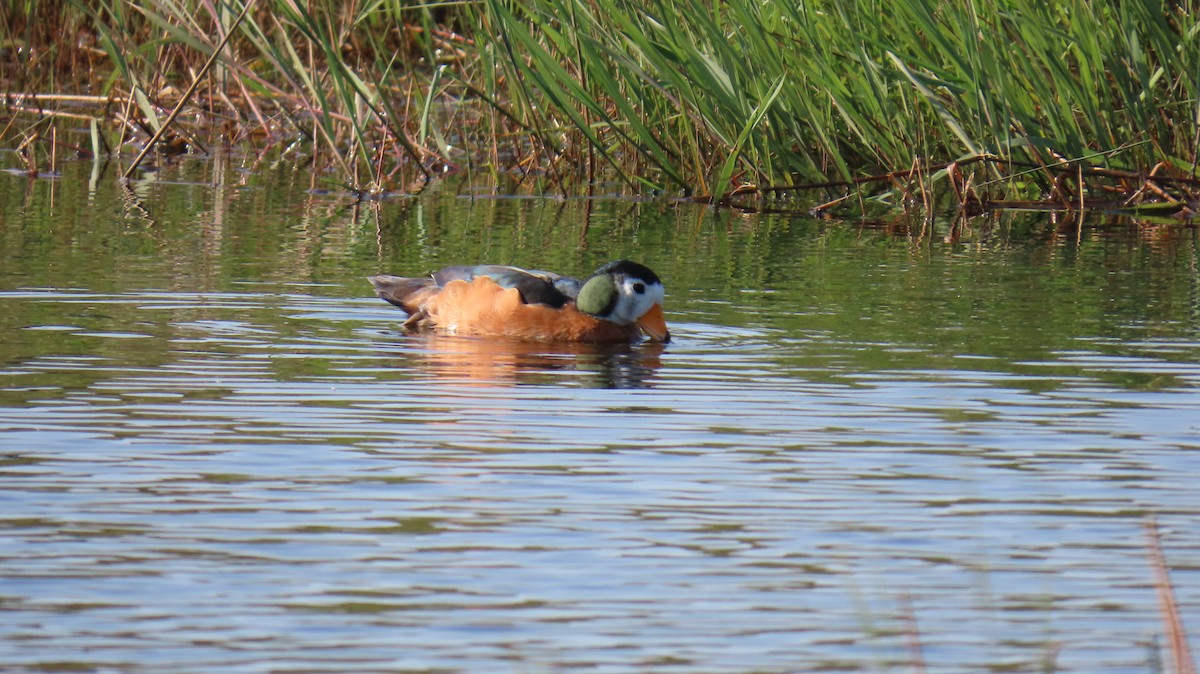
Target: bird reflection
column 473, row 361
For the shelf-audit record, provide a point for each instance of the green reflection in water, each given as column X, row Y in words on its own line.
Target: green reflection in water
column 230, row 241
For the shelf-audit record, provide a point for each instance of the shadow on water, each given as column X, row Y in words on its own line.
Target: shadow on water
column 866, row 449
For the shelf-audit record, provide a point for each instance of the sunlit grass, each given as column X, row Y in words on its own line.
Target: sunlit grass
column 867, row 87
column 683, row 96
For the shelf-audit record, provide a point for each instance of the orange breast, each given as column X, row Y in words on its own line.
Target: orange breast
column 481, row 307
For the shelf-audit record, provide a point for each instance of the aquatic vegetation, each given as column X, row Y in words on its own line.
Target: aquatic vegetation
column 907, row 103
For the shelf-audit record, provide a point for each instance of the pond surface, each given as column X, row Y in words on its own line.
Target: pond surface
column 868, row 448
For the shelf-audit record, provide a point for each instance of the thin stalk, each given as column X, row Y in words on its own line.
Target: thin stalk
column 188, row 94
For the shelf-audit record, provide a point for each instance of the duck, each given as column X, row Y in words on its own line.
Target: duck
column 619, row 302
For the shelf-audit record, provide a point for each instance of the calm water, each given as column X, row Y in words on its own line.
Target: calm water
column 869, row 449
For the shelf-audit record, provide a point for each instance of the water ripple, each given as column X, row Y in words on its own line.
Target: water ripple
column 279, row 481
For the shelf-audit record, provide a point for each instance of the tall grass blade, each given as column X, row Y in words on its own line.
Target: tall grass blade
column 938, row 105
column 756, row 118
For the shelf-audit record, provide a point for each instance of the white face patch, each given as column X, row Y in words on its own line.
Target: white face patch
column 632, row 305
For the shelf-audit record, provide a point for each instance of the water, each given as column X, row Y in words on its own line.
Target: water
column 868, row 449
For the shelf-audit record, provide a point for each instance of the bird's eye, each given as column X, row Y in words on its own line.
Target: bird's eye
column 639, row 288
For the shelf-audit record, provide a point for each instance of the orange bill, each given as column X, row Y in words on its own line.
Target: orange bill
column 654, row 325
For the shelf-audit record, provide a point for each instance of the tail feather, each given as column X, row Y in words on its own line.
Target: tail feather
column 407, row 293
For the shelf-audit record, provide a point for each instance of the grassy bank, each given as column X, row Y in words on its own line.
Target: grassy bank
column 901, row 101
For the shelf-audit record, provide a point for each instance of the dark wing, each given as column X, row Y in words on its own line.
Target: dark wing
column 536, row 287
column 406, row 293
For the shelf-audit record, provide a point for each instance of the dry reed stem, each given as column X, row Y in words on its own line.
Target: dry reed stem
column 53, row 113
column 1176, row 635
column 914, row 635
column 20, row 98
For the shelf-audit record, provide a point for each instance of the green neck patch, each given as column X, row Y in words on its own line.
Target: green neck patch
column 598, row 295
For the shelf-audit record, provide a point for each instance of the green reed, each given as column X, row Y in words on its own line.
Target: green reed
column 664, row 94
column 867, row 86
